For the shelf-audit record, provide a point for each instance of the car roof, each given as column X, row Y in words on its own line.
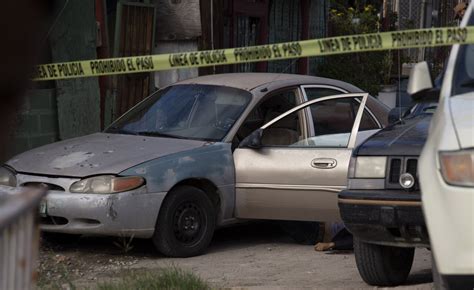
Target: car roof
column 250, row 81
column 259, row 84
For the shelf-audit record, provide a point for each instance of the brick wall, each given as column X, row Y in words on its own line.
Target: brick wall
column 37, row 121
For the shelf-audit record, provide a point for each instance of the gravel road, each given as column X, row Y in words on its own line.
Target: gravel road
column 248, row 256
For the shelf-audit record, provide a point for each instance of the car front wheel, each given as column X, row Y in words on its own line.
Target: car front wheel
column 383, row 265
column 186, row 223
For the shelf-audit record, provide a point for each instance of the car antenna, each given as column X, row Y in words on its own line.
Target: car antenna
column 399, row 87
column 282, row 72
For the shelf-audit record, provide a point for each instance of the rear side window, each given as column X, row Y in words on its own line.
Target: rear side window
column 367, row 122
column 317, row 92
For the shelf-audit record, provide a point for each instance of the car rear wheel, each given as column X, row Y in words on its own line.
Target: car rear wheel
column 383, row 265
column 186, row 223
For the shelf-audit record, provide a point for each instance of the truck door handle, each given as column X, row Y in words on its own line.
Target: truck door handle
column 324, row 163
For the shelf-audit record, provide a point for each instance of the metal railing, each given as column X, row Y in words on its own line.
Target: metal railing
column 19, row 238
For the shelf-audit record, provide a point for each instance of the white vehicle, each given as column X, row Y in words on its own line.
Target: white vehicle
column 446, row 167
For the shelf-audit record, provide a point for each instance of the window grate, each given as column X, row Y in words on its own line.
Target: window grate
column 411, row 166
column 398, row 165
column 395, row 169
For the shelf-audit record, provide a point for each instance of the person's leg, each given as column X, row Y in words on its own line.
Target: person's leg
column 324, row 246
column 343, row 240
column 328, row 242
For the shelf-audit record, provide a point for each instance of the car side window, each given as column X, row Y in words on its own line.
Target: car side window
column 285, row 132
column 334, row 116
column 463, row 73
column 332, row 120
column 272, row 106
column 367, row 122
column 319, row 92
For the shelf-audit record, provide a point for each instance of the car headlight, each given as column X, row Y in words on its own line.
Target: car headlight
column 457, row 167
column 107, row 184
column 370, row 167
column 7, row 177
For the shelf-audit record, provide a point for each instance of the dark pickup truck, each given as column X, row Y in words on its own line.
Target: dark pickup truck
column 382, row 204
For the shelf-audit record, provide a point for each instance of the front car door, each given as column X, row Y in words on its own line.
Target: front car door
column 303, row 162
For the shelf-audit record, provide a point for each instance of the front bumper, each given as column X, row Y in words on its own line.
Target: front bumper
column 386, row 217
column 121, row 214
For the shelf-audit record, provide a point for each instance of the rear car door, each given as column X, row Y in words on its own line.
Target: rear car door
column 303, row 162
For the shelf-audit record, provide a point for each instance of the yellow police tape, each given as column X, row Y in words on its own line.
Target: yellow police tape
column 315, row 47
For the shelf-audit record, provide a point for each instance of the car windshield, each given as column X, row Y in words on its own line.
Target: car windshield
column 463, row 81
column 200, row 112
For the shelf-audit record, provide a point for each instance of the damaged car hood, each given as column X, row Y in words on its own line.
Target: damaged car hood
column 406, row 138
column 98, row 153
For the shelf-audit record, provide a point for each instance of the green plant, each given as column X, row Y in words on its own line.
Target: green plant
column 169, row 278
column 367, row 70
column 54, row 272
column 387, row 63
column 124, row 243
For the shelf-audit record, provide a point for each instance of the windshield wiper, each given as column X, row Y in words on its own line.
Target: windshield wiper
column 120, row 131
column 159, row 134
column 430, row 108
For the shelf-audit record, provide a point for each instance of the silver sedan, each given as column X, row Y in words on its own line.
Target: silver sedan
column 204, row 153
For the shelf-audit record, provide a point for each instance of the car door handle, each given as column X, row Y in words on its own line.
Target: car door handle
column 324, row 163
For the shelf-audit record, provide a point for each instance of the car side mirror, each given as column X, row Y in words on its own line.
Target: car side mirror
column 420, row 84
column 398, row 113
column 254, row 140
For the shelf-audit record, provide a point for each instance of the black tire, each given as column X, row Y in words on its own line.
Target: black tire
column 383, row 265
column 305, row 233
column 438, row 280
column 185, row 224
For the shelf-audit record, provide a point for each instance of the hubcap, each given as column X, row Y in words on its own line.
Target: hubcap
column 188, row 221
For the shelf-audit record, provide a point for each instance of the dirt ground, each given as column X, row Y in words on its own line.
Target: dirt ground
column 248, row 256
